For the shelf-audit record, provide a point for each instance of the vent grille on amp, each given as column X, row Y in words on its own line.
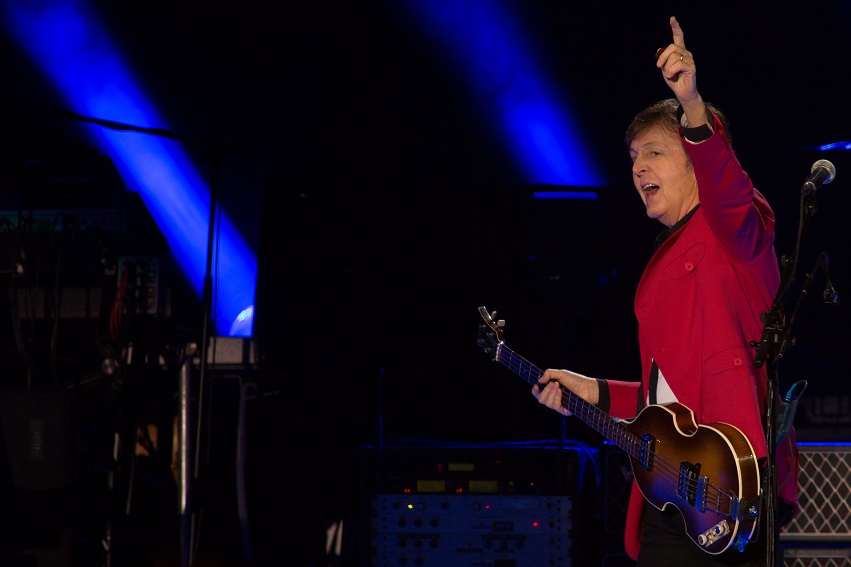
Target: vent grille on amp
column 820, row 534
column 824, row 494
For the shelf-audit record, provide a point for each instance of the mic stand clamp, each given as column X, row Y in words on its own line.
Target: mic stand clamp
column 774, row 340
column 775, row 336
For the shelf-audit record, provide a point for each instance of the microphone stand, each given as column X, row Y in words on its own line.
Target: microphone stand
column 776, row 338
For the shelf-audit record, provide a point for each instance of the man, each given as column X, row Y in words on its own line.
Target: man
column 699, row 300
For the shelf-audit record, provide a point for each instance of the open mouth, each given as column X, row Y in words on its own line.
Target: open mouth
column 649, row 189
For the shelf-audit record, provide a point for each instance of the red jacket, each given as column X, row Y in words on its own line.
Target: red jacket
column 698, row 306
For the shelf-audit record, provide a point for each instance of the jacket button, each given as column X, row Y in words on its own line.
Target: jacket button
column 689, row 266
column 737, row 361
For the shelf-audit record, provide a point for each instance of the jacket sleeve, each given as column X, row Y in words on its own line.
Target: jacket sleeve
column 619, row 398
column 737, row 214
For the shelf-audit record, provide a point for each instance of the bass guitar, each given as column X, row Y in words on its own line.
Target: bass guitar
column 708, row 472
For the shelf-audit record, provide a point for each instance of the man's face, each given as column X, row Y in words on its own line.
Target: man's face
column 663, row 175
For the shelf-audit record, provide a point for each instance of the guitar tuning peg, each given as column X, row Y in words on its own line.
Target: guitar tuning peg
column 500, row 323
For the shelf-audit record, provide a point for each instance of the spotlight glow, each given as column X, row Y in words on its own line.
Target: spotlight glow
column 72, row 48
column 481, row 36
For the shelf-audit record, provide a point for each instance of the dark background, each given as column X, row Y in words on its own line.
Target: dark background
column 385, row 208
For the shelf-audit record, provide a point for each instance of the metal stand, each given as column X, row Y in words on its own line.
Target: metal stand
column 776, row 337
column 185, row 458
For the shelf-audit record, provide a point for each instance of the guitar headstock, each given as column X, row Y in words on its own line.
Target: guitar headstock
column 490, row 332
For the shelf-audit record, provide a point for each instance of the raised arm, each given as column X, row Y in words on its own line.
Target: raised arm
column 680, row 74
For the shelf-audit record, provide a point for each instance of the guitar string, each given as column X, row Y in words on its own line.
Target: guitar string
column 616, row 431
column 612, row 430
column 628, row 441
column 593, row 416
column 713, row 495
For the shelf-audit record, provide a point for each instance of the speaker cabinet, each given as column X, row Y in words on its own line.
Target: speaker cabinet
column 817, row 556
column 824, row 495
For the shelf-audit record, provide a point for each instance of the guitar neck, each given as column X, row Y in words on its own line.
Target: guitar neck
column 591, row 415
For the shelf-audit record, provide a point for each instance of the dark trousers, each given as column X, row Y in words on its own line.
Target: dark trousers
column 665, row 543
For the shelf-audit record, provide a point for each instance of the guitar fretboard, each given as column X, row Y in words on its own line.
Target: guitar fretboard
column 591, row 415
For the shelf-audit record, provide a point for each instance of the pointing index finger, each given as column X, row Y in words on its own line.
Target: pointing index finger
column 677, row 31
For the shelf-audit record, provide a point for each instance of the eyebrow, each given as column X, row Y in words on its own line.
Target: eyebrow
column 646, row 145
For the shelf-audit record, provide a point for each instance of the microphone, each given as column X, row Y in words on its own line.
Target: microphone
column 821, row 173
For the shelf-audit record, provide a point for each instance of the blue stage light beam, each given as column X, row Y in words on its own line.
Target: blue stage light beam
column 844, row 145
column 482, row 38
column 565, row 195
column 73, row 50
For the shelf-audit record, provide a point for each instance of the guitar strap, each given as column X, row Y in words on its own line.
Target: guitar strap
column 652, row 387
column 654, row 384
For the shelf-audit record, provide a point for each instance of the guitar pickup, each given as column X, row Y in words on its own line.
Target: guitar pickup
column 645, row 452
column 691, row 486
